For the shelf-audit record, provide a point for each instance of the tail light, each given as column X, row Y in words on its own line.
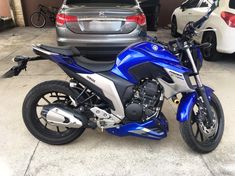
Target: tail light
column 229, row 18
column 140, row 19
column 62, row 18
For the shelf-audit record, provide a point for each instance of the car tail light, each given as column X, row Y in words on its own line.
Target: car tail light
column 229, row 18
column 62, row 18
column 140, row 19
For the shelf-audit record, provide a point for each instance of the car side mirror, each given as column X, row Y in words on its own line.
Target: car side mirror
column 182, row 8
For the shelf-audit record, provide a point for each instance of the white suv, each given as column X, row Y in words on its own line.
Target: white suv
column 222, row 19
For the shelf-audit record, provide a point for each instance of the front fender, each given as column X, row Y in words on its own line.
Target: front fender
column 187, row 103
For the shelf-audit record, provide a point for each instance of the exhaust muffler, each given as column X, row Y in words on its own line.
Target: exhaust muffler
column 59, row 115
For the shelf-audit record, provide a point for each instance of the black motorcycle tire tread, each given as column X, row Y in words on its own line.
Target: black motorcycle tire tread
column 187, row 134
column 29, row 101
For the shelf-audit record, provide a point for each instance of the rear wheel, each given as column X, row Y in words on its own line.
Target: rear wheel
column 198, row 137
column 210, row 54
column 50, row 92
column 38, row 20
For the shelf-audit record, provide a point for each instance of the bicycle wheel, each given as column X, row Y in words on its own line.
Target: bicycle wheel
column 38, row 20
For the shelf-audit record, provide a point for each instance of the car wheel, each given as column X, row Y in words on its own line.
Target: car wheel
column 210, row 54
column 174, row 27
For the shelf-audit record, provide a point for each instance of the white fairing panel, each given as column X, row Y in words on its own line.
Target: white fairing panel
column 109, row 90
column 179, row 85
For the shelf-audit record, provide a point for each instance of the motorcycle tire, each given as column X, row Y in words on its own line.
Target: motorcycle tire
column 192, row 140
column 36, row 126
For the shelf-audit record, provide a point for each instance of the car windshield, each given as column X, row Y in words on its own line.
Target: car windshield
column 232, row 4
column 125, row 2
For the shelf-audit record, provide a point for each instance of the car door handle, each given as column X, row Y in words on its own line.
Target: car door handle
column 190, row 13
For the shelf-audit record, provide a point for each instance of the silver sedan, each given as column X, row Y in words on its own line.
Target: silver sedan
column 100, row 27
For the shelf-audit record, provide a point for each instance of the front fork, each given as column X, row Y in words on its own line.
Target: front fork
column 201, row 88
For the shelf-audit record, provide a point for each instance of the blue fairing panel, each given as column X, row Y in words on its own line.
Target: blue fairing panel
column 187, row 103
column 148, row 129
column 69, row 63
column 145, row 52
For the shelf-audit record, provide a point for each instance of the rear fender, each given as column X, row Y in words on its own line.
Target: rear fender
column 60, row 60
column 187, row 103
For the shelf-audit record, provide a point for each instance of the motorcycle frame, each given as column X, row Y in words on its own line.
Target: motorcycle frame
column 170, row 64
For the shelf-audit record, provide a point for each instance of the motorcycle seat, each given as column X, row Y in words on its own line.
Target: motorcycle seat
column 94, row 66
column 91, row 65
column 63, row 50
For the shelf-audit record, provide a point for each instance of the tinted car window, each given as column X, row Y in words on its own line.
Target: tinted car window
column 232, row 4
column 190, row 4
column 131, row 2
column 204, row 4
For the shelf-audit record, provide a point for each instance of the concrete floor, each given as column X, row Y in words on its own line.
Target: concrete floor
column 97, row 153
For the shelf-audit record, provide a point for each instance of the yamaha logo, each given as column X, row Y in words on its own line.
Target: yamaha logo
column 155, row 47
column 91, row 79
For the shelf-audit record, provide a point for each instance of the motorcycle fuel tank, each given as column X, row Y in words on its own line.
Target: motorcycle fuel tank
column 146, row 59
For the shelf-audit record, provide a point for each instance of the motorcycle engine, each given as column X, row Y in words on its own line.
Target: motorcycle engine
column 146, row 102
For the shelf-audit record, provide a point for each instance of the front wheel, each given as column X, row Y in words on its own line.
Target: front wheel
column 197, row 136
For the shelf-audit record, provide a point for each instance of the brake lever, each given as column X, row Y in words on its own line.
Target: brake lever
column 204, row 45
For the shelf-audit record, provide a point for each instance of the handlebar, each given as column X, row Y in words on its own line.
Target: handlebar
column 189, row 32
column 200, row 22
column 190, row 29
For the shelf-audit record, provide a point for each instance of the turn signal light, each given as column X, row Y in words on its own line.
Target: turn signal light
column 140, row 19
column 62, row 18
column 229, row 18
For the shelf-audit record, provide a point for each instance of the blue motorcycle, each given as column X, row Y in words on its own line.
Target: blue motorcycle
column 125, row 97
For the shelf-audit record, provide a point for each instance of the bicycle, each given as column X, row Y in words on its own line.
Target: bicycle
column 38, row 18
